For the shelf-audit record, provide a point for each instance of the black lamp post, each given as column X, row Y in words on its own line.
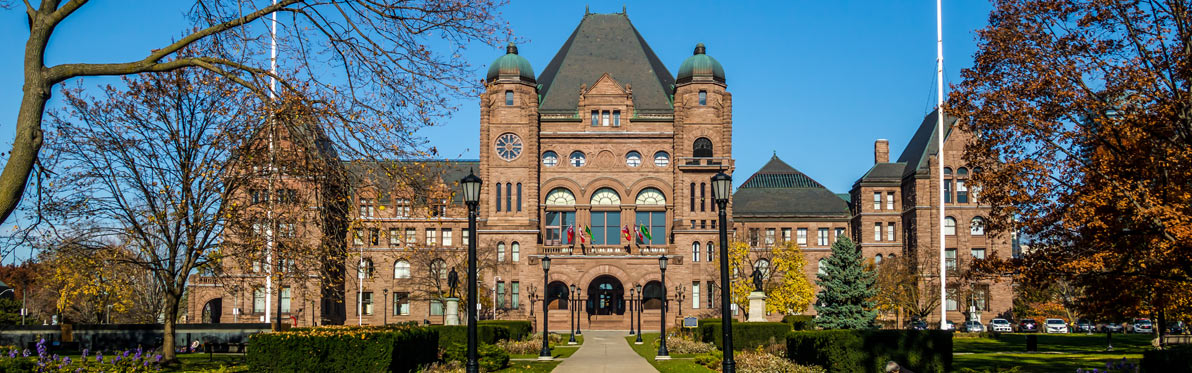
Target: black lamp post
column 545, row 353
column 639, row 315
column 631, row 310
column 571, row 309
column 578, row 308
column 471, row 189
column 663, row 354
column 384, row 307
column 722, row 187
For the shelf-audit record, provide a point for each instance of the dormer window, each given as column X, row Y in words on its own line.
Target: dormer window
column 703, row 98
column 508, row 98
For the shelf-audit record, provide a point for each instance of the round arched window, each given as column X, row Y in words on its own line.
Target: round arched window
column 661, row 159
column 550, row 159
column 702, row 147
column 560, row 197
column 578, row 159
column 650, row 196
column 606, row 197
column 633, row 159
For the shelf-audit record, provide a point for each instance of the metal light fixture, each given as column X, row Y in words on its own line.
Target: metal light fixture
column 722, row 187
column 572, row 312
column 640, row 305
column 544, row 354
column 663, row 354
column 471, row 188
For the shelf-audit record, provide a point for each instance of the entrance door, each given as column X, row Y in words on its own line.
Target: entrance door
column 606, row 296
column 212, row 310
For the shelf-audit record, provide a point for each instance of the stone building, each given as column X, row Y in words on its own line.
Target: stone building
column 603, row 162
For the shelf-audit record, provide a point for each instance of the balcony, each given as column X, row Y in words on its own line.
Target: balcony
column 606, row 250
column 704, row 163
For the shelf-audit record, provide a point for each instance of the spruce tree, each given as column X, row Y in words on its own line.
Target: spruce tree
column 846, row 289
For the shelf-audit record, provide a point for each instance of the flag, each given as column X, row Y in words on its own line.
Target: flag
column 625, row 232
column 570, row 233
column 588, row 231
column 641, row 234
column 645, row 231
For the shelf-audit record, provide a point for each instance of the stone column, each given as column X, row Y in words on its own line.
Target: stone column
column 452, row 311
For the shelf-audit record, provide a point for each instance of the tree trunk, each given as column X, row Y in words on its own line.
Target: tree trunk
column 168, row 347
column 25, row 146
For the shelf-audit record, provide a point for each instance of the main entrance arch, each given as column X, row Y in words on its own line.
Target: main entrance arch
column 606, row 296
column 212, row 310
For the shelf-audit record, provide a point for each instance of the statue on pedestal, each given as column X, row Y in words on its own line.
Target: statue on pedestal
column 757, row 280
column 452, row 282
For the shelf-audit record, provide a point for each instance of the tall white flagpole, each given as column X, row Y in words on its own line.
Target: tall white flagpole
column 272, row 167
column 939, row 72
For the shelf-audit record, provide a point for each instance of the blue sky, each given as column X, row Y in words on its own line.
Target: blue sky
column 814, row 81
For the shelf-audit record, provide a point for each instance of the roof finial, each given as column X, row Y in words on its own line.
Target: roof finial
column 623, row 10
column 700, row 49
column 586, row 12
column 511, row 48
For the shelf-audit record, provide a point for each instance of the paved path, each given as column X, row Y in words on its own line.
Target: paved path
column 605, row 351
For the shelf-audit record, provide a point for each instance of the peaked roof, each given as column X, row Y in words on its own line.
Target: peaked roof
column 605, row 43
column 779, row 190
column 923, row 144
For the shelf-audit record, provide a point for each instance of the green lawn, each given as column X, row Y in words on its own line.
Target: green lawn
column 1057, row 352
column 558, row 352
column 530, row 366
column 680, row 363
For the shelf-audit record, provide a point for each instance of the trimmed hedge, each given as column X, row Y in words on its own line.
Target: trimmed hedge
column 518, row 329
column 491, row 358
column 800, row 322
column 343, row 349
column 458, row 334
column 746, row 335
column 1174, row 359
column 868, row 350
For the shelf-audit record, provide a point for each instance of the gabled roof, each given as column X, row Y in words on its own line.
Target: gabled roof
column 605, row 43
column 923, row 144
column 420, row 173
column 885, row 172
column 779, row 190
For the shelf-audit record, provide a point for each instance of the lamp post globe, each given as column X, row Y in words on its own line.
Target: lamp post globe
column 544, row 354
column 471, row 188
column 722, row 188
column 640, row 305
column 662, row 351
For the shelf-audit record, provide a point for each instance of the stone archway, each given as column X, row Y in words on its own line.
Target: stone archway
column 606, row 296
column 212, row 311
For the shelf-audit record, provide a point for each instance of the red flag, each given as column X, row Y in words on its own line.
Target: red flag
column 625, row 232
column 570, row 233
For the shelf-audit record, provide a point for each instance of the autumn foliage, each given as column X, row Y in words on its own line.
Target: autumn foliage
column 1083, row 116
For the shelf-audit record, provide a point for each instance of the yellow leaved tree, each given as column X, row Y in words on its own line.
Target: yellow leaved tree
column 781, row 266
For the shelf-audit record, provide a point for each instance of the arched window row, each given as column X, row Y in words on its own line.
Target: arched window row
column 607, row 225
column 605, row 197
column 976, row 226
column 957, row 187
column 580, row 159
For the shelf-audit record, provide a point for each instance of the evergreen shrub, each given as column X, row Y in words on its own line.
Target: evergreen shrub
column 397, row 348
column 868, row 350
column 518, row 329
column 800, row 322
column 490, row 357
column 458, row 334
column 746, row 335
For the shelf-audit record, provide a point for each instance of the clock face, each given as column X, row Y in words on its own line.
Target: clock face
column 509, row 146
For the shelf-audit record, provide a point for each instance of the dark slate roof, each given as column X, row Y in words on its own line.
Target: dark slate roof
column 885, row 172
column 432, row 171
column 923, row 144
column 605, row 43
column 780, row 190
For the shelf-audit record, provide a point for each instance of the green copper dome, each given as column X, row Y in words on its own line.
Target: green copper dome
column 511, row 66
column 699, row 66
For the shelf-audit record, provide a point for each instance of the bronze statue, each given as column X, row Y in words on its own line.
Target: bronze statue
column 757, row 280
column 452, row 282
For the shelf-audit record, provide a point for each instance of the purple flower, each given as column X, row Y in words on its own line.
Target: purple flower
column 66, row 360
column 157, row 358
column 25, row 353
column 116, row 360
column 41, row 347
column 146, row 363
column 12, row 353
column 85, row 353
column 125, row 353
column 99, row 357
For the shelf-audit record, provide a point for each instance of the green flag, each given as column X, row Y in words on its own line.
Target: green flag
column 588, row 231
column 646, row 232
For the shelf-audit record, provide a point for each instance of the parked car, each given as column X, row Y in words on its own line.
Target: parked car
column 1142, row 326
column 950, row 326
column 1056, row 326
column 1028, row 326
column 973, row 326
column 1085, row 326
column 1176, row 327
column 1111, row 327
column 1000, row 325
column 917, row 325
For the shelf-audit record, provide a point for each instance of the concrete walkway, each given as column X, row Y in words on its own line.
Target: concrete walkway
column 605, row 351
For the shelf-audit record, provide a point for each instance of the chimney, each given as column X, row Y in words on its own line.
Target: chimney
column 881, row 151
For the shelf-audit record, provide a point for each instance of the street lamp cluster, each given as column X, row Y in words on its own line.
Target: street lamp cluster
column 722, row 186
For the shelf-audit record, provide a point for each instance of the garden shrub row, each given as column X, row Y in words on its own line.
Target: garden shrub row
column 746, row 335
column 799, row 322
column 343, row 349
column 518, row 329
column 922, row 351
column 458, row 334
column 1174, row 359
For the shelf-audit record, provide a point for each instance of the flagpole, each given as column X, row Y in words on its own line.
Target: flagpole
column 939, row 72
column 269, row 197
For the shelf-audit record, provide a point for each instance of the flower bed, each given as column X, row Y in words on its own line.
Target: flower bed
column 129, row 361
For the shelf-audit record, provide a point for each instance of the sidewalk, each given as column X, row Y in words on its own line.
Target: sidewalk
column 605, row 351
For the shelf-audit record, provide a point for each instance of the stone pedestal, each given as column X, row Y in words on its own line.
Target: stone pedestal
column 757, row 307
column 452, row 312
